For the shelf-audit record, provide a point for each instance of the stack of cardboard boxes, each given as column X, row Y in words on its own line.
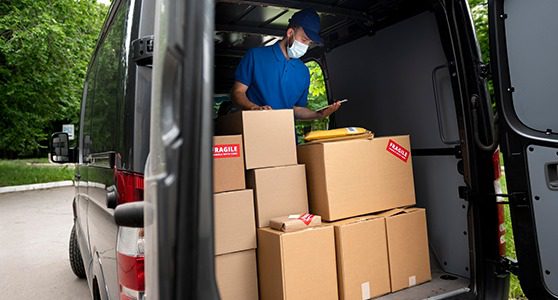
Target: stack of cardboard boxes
column 290, row 264
column 356, row 255
column 235, row 234
column 350, row 180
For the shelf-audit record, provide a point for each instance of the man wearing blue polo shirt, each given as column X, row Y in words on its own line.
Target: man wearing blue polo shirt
column 274, row 77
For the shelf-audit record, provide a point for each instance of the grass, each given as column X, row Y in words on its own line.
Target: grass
column 515, row 289
column 29, row 171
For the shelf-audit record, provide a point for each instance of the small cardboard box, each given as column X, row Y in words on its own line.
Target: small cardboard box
column 409, row 259
column 295, row 222
column 278, row 191
column 228, row 163
column 362, row 257
column 236, row 275
column 297, row 265
column 234, row 221
column 269, row 136
column 357, row 177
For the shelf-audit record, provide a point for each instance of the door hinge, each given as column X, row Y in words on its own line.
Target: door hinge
column 507, row 265
column 142, row 51
column 484, row 71
column 515, row 198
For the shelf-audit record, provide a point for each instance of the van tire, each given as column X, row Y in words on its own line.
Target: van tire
column 76, row 262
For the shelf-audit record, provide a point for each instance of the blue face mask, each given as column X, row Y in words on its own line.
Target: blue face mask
column 297, row 49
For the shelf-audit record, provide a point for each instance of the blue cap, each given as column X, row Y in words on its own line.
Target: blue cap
column 309, row 20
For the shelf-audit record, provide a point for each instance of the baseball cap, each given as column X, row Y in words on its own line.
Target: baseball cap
column 309, row 20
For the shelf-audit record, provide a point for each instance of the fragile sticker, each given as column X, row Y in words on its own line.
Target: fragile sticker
column 306, row 218
column 398, row 150
column 226, row 150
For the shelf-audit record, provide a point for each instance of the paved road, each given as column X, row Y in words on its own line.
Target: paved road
column 34, row 231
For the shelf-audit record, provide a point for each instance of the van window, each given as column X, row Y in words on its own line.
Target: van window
column 106, row 88
column 317, row 97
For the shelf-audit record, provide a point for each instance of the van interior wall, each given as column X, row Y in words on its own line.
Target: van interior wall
column 390, row 79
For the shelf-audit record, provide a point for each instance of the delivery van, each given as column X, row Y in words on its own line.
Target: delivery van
column 408, row 67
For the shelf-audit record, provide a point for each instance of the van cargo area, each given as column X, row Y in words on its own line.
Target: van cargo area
column 393, row 60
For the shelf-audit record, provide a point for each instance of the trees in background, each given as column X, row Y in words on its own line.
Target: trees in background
column 45, row 46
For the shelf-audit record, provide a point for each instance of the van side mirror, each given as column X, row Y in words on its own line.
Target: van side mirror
column 60, row 148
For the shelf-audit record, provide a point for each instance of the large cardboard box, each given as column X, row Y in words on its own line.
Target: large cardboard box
column 409, row 259
column 269, row 136
column 237, row 275
column 278, row 191
column 234, row 221
column 358, row 177
column 228, row 163
column 297, row 265
column 362, row 257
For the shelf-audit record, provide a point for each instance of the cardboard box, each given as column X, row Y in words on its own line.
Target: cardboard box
column 269, row 136
column 236, row 275
column 234, row 221
column 278, row 191
column 362, row 257
column 295, row 222
column 409, row 259
column 297, row 265
column 228, row 163
column 357, row 177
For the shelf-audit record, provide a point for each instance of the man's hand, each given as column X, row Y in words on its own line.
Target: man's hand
column 328, row 111
column 303, row 113
column 263, row 107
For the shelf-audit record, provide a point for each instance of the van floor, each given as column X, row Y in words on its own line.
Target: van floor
column 442, row 286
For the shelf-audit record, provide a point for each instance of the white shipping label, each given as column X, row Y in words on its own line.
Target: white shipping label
column 294, row 216
column 365, row 290
column 412, row 281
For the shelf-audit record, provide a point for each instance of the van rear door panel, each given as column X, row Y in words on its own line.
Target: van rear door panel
column 525, row 70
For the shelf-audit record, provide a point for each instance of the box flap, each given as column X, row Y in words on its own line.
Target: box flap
column 356, row 220
column 398, row 211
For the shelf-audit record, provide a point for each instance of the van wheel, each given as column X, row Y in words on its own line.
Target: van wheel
column 76, row 262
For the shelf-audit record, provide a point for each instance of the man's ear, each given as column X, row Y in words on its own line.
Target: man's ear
column 290, row 32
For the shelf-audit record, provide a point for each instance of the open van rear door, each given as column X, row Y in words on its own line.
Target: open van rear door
column 178, row 213
column 524, row 60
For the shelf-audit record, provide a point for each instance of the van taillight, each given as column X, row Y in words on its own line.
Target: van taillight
column 129, row 186
column 129, row 245
column 130, row 258
column 500, row 207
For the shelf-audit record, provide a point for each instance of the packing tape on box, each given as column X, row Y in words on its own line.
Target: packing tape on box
column 412, row 281
column 365, row 290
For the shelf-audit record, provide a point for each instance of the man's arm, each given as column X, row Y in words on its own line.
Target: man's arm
column 303, row 113
column 238, row 95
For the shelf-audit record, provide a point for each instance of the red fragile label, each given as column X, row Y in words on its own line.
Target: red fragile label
column 226, row 150
column 398, row 150
column 306, row 218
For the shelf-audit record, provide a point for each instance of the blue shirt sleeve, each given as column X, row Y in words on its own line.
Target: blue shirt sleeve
column 303, row 99
column 245, row 69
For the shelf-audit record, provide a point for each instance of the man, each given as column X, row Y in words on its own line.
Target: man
column 274, row 77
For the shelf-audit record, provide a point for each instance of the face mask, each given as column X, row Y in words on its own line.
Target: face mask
column 297, row 49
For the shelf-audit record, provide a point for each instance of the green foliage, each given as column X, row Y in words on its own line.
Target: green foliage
column 316, row 98
column 17, row 172
column 479, row 12
column 44, row 50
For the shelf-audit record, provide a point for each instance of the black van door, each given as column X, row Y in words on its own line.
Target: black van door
column 178, row 216
column 524, row 62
